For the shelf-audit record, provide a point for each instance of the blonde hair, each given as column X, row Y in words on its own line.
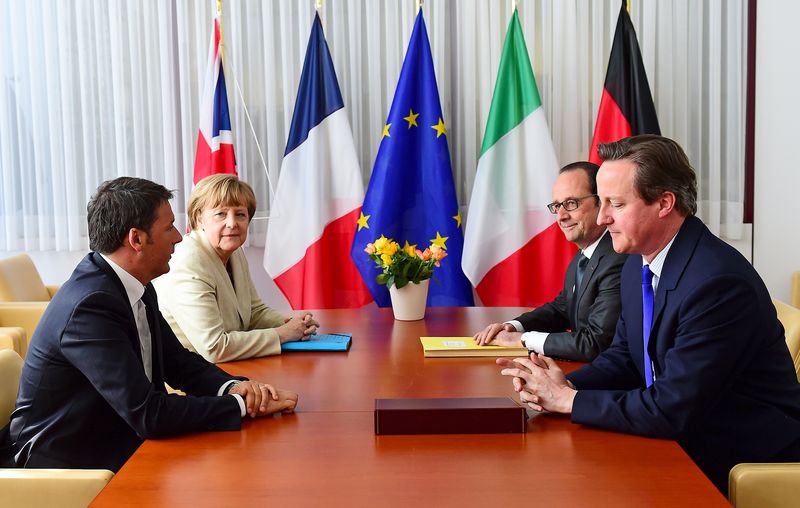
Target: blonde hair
column 219, row 190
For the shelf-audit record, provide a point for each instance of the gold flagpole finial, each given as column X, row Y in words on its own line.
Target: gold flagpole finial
column 628, row 6
column 319, row 5
column 417, row 7
column 514, row 6
column 221, row 33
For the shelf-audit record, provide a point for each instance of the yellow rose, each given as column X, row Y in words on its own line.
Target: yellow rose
column 380, row 243
column 387, row 259
column 410, row 250
column 391, row 248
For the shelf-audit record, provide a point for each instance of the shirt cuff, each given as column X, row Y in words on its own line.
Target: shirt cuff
column 240, row 400
column 227, row 386
column 534, row 341
column 516, row 324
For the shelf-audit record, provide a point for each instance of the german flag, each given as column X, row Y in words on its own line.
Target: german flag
column 626, row 107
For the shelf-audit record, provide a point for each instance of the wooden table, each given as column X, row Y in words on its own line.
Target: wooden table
column 327, row 454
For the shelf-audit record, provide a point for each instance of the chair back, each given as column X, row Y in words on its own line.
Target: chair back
column 20, row 281
column 790, row 318
column 796, row 289
column 10, row 371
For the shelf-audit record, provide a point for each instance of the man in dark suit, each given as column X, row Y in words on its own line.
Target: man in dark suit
column 579, row 323
column 92, row 386
column 699, row 355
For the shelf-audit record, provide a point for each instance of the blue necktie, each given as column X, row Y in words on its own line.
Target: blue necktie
column 647, row 320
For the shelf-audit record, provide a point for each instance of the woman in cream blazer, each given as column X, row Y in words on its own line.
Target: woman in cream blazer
column 208, row 297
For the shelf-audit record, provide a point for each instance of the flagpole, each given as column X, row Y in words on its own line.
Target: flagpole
column 246, row 112
column 319, row 5
column 221, row 33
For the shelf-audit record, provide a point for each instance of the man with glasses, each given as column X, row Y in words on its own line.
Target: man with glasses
column 699, row 355
column 579, row 323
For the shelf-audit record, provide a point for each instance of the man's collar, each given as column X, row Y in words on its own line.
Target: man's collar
column 588, row 251
column 133, row 288
column 657, row 265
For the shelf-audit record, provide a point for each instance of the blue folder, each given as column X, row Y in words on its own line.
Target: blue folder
column 321, row 342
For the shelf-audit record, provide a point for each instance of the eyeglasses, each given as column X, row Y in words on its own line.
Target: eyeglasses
column 569, row 204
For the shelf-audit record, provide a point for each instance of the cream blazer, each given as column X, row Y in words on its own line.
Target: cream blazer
column 218, row 319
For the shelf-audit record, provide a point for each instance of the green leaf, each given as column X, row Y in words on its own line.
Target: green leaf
column 381, row 279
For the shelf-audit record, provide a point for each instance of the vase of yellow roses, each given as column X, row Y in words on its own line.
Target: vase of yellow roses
column 406, row 271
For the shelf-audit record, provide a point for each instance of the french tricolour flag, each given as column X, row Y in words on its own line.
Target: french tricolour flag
column 319, row 195
column 215, row 141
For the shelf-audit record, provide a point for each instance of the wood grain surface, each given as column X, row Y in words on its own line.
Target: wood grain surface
column 328, row 455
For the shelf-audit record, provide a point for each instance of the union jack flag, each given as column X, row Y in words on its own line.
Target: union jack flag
column 215, row 141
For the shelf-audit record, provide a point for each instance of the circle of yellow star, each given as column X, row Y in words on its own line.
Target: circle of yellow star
column 458, row 219
column 386, row 131
column 362, row 221
column 411, row 118
column 439, row 240
column 439, row 128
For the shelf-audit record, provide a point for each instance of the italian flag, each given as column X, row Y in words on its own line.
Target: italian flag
column 514, row 252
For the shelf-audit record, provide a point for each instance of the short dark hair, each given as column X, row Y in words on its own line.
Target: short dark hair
column 591, row 172
column 119, row 205
column 661, row 166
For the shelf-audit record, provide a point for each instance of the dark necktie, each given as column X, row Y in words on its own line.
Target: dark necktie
column 647, row 320
column 582, row 262
column 580, row 270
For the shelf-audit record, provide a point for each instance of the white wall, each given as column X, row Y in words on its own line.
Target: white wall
column 776, row 221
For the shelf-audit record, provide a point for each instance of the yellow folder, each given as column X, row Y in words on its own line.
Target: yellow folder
column 436, row 347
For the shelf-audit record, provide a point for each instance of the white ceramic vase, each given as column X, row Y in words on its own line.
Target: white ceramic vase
column 408, row 303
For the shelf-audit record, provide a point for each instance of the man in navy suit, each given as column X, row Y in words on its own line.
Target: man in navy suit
column 579, row 323
column 712, row 369
column 92, row 386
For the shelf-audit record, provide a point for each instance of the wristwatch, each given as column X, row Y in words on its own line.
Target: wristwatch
column 522, row 339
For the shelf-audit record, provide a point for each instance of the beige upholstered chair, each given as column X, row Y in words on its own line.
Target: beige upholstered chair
column 764, row 485
column 20, row 281
column 24, row 316
column 10, row 370
column 796, row 289
column 771, row 485
column 12, row 337
column 40, row 487
column 790, row 318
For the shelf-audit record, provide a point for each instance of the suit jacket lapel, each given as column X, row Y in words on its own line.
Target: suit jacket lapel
column 601, row 250
column 225, row 289
column 677, row 259
column 241, row 279
column 100, row 263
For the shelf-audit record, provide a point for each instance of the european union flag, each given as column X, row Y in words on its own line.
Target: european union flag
column 411, row 196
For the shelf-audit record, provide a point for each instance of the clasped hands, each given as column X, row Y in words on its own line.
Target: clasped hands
column 541, row 383
column 261, row 399
column 298, row 327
